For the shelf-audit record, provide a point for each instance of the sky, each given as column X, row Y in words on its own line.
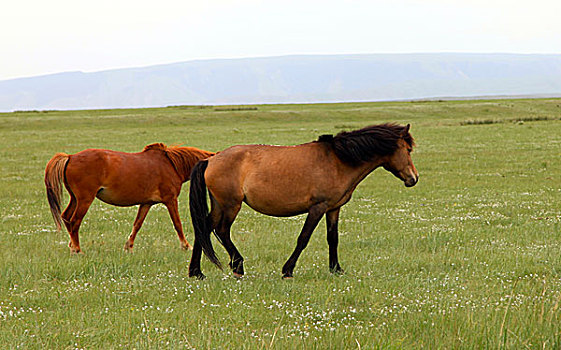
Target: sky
column 40, row 37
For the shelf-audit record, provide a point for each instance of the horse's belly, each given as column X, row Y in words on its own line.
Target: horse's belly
column 120, row 199
column 277, row 207
column 278, row 199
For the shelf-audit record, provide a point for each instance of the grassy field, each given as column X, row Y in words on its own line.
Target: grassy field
column 468, row 258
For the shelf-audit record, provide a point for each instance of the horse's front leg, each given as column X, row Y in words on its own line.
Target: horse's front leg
column 314, row 216
column 174, row 214
column 140, row 216
column 332, row 220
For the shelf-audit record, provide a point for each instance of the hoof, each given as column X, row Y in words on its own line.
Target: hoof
column 128, row 247
column 186, row 246
column 338, row 271
column 237, row 267
column 198, row 275
column 76, row 251
column 287, row 276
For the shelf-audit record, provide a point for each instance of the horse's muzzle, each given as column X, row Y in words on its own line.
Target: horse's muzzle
column 411, row 181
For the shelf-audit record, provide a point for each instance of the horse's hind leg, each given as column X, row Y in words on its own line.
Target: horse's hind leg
column 195, row 263
column 223, row 232
column 142, row 212
column 68, row 212
column 174, row 214
column 314, row 216
column 332, row 220
column 82, row 206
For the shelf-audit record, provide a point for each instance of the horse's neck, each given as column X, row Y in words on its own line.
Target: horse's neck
column 182, row 161
column 358, row 173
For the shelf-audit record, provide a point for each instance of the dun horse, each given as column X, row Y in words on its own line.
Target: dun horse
column 152, row 176
column 317, row 178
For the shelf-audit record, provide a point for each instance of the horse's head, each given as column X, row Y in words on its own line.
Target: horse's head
column 399, row 163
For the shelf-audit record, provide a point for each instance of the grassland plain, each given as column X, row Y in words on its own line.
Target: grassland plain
column 468, row 258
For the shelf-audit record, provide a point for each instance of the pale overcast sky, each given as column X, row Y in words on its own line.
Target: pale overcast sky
column 42, row 37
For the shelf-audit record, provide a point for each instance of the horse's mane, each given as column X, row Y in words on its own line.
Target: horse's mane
column 182, row 158
column 156, row 146
column 362, row 145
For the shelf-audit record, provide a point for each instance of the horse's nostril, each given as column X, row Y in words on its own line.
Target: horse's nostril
column 412, row 181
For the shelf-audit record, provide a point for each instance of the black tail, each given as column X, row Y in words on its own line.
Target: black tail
column 199, row 211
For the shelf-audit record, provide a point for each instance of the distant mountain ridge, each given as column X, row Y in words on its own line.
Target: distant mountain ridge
column 311, row 78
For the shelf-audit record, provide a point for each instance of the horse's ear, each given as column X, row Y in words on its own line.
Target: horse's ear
column 406, row 130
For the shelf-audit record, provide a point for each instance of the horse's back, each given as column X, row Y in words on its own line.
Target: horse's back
column 102, row 164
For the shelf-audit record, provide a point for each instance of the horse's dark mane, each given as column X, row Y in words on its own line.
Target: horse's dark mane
column 360, row 146
column 182, row 158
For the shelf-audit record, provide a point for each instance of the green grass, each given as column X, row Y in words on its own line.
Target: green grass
column 468, row 258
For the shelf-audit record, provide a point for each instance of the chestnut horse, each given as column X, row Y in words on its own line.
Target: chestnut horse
column 152, row 176
column 315, row 178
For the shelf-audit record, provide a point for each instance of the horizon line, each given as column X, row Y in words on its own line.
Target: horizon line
column 273, row 57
